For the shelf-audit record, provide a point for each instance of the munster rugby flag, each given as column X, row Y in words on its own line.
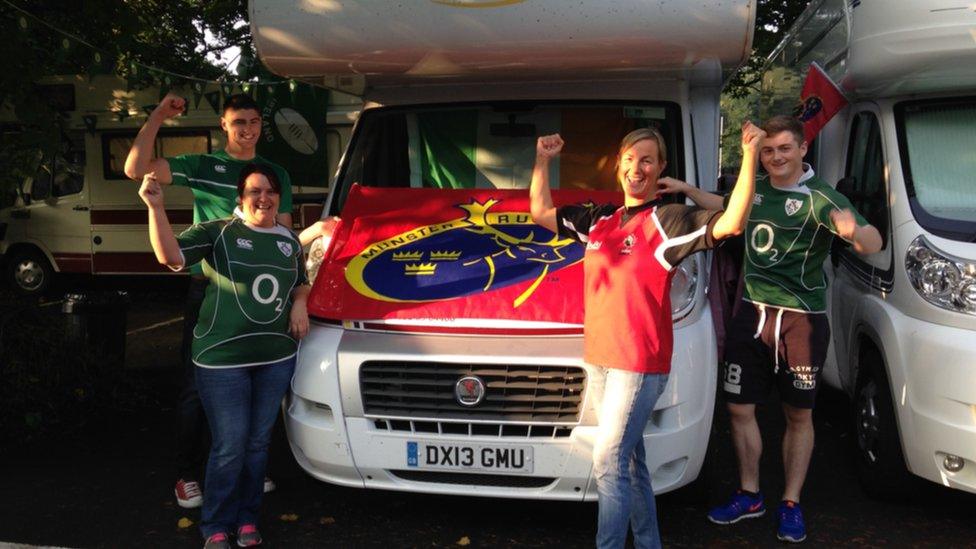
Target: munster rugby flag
column 438, row 254
column 819, row 102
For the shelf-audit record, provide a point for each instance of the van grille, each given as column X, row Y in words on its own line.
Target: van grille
column 514, row 392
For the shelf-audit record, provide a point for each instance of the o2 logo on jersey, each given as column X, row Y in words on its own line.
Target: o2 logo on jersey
column 482, row 251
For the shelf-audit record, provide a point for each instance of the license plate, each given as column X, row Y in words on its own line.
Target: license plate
column 469, row 457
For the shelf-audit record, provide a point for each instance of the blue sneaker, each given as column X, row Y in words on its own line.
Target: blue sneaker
column 741, row 505
column 791, row 527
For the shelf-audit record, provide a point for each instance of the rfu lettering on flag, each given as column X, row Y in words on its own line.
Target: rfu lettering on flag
column 819, row 102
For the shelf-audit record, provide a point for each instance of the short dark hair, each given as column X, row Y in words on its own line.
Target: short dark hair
column 784, row 123
column 240, row 102
column 263, row 169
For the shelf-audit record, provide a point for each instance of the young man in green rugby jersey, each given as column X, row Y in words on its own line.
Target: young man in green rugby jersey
column 779, row 336
column 213, row 180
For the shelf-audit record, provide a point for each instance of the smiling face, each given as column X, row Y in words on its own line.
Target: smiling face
column 781, row 155
column 259, row 201
column 243, row 127
column 638, row 169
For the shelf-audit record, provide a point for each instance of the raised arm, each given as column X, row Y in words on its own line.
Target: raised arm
column 705, row 199
column 540, row 197
column 161, row 235
column 733, row 221
column 140, row 160
column 865, row 239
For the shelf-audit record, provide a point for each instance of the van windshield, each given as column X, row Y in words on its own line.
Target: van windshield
column 493, row 145
column 937, row 140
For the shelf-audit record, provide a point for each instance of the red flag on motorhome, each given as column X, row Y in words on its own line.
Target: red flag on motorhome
column 819, row 102
column 436, row 254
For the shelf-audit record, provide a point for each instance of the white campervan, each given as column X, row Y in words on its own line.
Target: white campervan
column 904, row 319
column 79, row 213
column 456, row 93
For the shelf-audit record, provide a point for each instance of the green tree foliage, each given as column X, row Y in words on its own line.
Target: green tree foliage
column 773, row 18
column 171, row 35
column 740, row 98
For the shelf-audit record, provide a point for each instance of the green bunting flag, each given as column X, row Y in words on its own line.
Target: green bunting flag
column 214, row 99
column 198, row 88
column 227, row 90
column 248, row 88
column 101, row 64
column 165, row 85
column 132, row 79
column 91, row 121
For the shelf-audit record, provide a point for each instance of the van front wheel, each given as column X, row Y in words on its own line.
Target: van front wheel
column 880, row 463
column 29, row 272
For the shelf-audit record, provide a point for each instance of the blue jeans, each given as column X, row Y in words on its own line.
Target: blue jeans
column 241, row 406
column 622, row 480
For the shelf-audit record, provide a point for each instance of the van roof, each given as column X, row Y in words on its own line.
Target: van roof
column 377, row 43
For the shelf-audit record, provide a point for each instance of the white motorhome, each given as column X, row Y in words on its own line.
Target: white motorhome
column 474, row 82
column 80, row 214
column 904, row 319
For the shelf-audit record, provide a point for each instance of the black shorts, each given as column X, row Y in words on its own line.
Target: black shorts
column 750, row 367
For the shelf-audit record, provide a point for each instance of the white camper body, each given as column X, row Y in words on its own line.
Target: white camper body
column 903, row 320
column 540, row 63
column 81, row 214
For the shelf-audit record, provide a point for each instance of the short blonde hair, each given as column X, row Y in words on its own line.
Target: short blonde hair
column 641, row 134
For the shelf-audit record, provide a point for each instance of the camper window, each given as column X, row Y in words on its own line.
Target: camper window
column 936, row 140
column 115, row 148
column 62, row 172
column 493, row 145
column 865, row 172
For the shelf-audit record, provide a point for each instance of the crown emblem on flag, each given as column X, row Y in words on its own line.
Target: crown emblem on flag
column 407, row 256
column 444, row 256
column 419, row 269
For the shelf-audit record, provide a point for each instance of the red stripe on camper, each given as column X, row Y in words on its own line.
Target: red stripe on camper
column 73, row 263
column 128, row 263
column 137, row 217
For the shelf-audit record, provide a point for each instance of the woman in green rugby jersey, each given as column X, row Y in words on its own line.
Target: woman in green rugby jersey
column 245, row 341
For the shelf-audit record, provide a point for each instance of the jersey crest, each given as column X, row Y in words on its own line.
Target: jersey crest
column 285, row 248
column 793, row 205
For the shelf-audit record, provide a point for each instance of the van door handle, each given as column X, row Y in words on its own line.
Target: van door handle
column 80, row 208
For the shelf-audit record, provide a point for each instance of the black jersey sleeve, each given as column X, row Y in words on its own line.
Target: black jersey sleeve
column 576, row 220
column 687, row 229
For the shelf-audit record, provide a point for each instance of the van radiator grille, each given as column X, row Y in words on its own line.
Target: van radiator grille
column 514, row 392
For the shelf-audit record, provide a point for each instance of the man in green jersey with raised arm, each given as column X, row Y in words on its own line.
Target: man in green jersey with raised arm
column 213, row 180
column 779, row 336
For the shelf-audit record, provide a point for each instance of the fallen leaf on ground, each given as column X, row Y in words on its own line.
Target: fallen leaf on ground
column 464, row 541
column 326, row 520
column 289, row 517
column 184, row 523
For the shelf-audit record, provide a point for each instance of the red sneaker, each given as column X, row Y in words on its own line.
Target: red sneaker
column 188, row 494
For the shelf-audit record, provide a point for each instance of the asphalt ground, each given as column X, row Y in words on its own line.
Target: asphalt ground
column 107, row 482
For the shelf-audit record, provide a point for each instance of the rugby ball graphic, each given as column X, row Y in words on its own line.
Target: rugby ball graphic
column 296, row 131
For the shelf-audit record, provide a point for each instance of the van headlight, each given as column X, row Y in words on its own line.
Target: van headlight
column 684, row 287
column 941, row 279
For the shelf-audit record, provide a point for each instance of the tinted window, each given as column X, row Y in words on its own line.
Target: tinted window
column 865, row 174
column 115, row 148
column 493, row 146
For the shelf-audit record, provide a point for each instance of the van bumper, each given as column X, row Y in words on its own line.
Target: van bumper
column 359, row 451
column 935, row 395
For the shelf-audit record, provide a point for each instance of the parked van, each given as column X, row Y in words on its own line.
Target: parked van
column 904, row 319
column 456, row 95
column 80, row 214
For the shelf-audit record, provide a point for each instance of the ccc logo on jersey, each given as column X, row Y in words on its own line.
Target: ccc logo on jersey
column 480, row 252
